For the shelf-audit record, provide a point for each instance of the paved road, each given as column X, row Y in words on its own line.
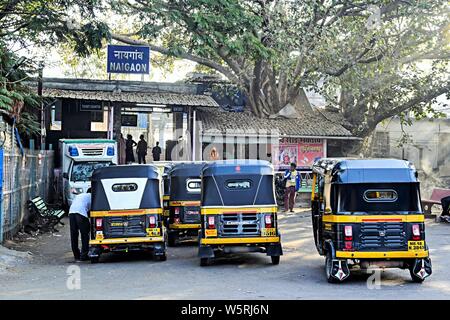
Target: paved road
column 300, row 274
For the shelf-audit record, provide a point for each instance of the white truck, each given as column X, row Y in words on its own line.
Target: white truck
column 79, row 158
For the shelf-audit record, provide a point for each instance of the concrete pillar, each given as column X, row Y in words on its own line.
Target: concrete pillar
column 117, row 120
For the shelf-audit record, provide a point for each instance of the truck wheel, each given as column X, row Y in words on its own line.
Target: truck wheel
column 171, row 239
column 275, row 260
column 204, row 262
column 329, row 268
column 414, row 277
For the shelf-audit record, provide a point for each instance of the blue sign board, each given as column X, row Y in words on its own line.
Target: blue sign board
column 128, row 59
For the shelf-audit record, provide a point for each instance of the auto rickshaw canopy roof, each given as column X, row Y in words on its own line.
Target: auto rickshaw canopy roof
column 125, row 171
column 186, row 169
column 366, row 170
column 236, row 167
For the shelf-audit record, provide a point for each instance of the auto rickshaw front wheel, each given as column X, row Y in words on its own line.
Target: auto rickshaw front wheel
column 275, row 260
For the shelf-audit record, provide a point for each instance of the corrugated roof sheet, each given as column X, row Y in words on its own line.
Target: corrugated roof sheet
column 313, row 124
column 162, row 98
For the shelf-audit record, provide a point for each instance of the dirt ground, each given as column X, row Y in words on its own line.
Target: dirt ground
column 300, row 274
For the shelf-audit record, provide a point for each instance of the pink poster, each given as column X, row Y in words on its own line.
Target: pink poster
column 301, row 151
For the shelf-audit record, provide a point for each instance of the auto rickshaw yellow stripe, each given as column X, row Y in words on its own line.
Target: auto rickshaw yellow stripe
column 240, row 240
column 373, row 218
column 126, row 240
column 381, row 255
column 184, row 203
column 125, row 212
column 185, row 226
column 226, row 210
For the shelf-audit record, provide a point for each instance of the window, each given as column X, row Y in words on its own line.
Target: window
column 238, row 184
column 82, row 171
column 380, row 196
column 97, row 116
column 124, row 187
column 194, row 185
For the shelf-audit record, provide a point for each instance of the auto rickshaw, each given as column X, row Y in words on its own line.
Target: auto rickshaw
column 166, row 193
column 238, row 210
column 367, row 215
column 126, row 211
column 184, row 204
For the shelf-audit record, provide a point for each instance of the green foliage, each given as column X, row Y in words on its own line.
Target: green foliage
column 273, row 49
column 16, row 99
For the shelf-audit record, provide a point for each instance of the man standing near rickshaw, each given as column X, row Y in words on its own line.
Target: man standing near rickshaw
column 79, row 224
column 292, row 178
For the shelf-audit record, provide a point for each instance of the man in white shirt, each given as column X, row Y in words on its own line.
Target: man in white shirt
column 79, row 223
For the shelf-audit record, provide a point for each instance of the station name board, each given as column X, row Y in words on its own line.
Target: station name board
column 128, row 59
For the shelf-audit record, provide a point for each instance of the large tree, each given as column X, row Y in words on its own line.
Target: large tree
column 274, row 49
column 40, row 25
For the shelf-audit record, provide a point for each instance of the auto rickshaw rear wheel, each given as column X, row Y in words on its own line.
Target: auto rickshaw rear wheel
column 204, row 262
column 94, row 259
column 414, row 277
column 275, row 260
column 329, row 268
column 162, row 257
column 171, row 239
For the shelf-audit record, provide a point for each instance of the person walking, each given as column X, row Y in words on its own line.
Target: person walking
column 292, row 178
column 156, row 152
column 129, row 154
column 141, row 149
column 79, row 224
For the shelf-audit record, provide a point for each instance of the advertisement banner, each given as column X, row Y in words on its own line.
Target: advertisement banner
column 302, row 151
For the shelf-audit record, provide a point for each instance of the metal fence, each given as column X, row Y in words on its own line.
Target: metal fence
column 23, row 177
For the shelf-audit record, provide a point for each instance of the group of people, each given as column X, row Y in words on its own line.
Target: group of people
column 126, row 150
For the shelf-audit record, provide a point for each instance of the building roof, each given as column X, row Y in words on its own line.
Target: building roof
column 160, row 98
column 312, row 124
column 334, row 115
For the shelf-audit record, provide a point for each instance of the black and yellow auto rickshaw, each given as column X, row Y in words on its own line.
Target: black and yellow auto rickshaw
column 166, row 192
column 126, row 211
column 184, row 204
column 238, row 210
column 367, row 215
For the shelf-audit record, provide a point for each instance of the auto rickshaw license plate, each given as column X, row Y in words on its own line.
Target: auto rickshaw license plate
column 153, row 231
column 416, row 245
column 268, row 232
